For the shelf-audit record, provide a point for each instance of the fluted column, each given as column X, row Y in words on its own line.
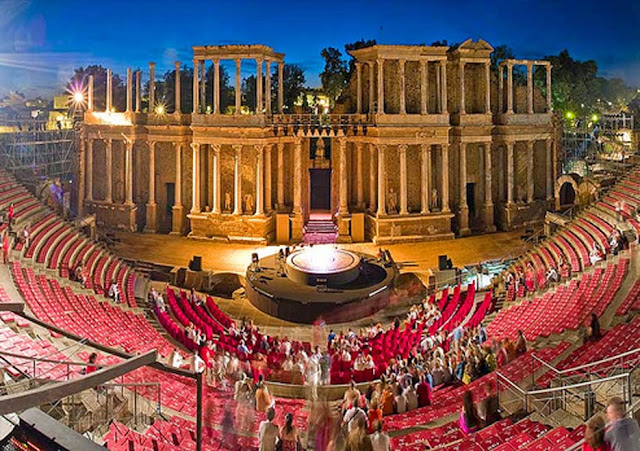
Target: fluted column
column 259, row 105
column 382, row 189
column 195, row 196
column 259, row 179
column 403, row 96
column 82, row 174
column 177, row 105
column 280, row 177
column 344, row 207
column 237, row 179
column 177, row 209
column 90, row 94
column 487, row 84
column 530, row 88
column 488, row 188
column 128, row 171
column 372, row 177
column 217, row 179
column 358, row 88
column 509, row 87
column 530, row 171
column 151, row 206
column 109, row 170
column 372, row 68
column 380, row 86
column 297, row 176
column 501, row 89
column 359, row 180
column 444, row 109
column 267, row 89
column 463, row 207
column 402, row 151
column 510, row 170
column 424, row 86
column 196, row 88
column 216, row 86
column 425, row 169
column 280, row 87
column 548, row 67
column 109, row 92
column 267, row 177
column 129, row 90
column 203, row 86
column 445, row 178
column 138, row 90
column 461, row 65
column 89, row 169
column 238, row 87
column 152, row 86
column 549, row 171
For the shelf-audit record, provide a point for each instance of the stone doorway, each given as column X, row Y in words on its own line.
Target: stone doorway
column 319, row 189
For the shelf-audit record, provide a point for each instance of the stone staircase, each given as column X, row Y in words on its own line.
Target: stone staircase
column 320, row 231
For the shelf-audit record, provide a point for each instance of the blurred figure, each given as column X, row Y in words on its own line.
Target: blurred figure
column 380, row 440
column 623, row 434
column 289, row 435
column 490, row 406
column 268, row 433
column 357, row 439
column 594, row 435
column 469, row 418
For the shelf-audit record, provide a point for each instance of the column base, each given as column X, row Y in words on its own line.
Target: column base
column 177, row 220
column 151, row 224
column 463, row 221
column 344, row 229
column 489, row 218
column 297, row 223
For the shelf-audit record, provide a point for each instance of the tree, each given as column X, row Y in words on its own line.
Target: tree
column 335, row 74
column 80, row 80
column 249, row 89
column 293, row 82
column 361, row 44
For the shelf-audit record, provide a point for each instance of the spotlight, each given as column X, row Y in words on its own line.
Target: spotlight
column 78, row 97
column 159, row 110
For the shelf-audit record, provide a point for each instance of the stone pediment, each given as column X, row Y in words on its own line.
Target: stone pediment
column 473, row 50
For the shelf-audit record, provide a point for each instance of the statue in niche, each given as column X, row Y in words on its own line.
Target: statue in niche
column 320, row 149
column 392, row 201
column 248, row 203
column 434, row 198
column 227, row 201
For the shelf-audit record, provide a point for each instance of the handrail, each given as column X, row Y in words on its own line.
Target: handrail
column 576, row 385
column 40, row 359
column 513, row 384
column 586, row 365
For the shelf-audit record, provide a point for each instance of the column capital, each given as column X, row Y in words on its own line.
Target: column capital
column 268, row 146
column 152, row 65
column 402, row 148
column 237, row 148
column 217, row 147
column 259, row 60
column 177, row 65
column 297, row 140
column 358, row 144
column 342, row 140
column 530, row 143
column 238, row 61
column 258, row 147
column 151, row 144
column 425, row 146
column 194, row 146
column 381, row 147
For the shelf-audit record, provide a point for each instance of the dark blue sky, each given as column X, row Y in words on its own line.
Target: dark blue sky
column 41, row 41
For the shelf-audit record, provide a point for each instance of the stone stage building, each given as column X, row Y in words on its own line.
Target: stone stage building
column 425, row 143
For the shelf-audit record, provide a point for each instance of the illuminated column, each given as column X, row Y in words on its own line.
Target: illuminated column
column 177, row 209
column 445, row 178
column 216, row 86
column 109, row 170
column 510, row 145
column 259, row 179
column 372, row 96
column 217, row 180
column 259, row 105
column 152, row 86
column 196, row 90
column 529, row 88
column 487, row 84
column 424, row 86
column 267, row 177
column 509, row 88
column 382, row 208
column 203, row 87
column 128, row 171
column 267, row 91
column 425, row 169
column 461, row 65
column 297, row 176
column 549, row 171
column 463, row 176
column 129, row 90
column 439, row 87
column 380, row 86
column 530, row 171
column 403, row 96
column 358, row 88
column 195, row 196
column 138, row 91
column 280, row 87
column 402, row 151
column 488, row 188
column 177, row 88
column 90, row 94
column 548, row 67
column 372, row 177
column 344, row 208
column 109, row 94
column 238, row 87
column 280, row 179
column 237, row 179
column 82, row 174
column 501, row 88
column 150, row 226
column 443, row 88
column 89, row 169
column 359, row 180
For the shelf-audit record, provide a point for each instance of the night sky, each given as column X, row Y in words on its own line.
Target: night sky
column 41, row 41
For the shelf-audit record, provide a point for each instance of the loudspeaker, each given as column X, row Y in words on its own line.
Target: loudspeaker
column 442, row 262
column 196, row 263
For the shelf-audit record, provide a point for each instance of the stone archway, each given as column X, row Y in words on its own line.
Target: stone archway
column 566, row 190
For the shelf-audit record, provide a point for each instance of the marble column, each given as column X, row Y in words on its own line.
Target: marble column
column 109, row 93
column 445, row 178
column 267, row 89
column 259, row 105
column 203, row 87
column 297, row 176
column 129, row 90
column 425, row 169
column 382, row 174
column 509, row 88
column 217, row 179
column 359, row 179
column 280, row 87
column 372, row 96
column 424, row 86
column 487, row 84
column 177, row 106
column 510, row 171
column 464, row 208
column 380, row 86
column 238, row 87
column 344, row 207
column 216, row 86
column 109, row 170
column 138, row 90
column 530, row 171
column 177, row 209
column 402, row 82
column 196, row 88
column 280, row 177
column 461, row 65
column 152, row 86
column 195, row 196
column 267, row 177
column 488, row 189
column 259, row 148
column 372, row 177
column 358, row 88
column 501, row 89
column 548, row 84
column 90, row 94
column 237, row 179
column 402, row 152
column 549, row 171
column 152, row 206
column 529, row 88
column 89, row 171
column 128, row 172
column 444, row 108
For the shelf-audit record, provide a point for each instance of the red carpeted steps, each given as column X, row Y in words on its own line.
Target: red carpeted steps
column 320, row 231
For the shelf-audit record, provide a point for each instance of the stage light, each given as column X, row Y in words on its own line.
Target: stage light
column 78, row 97
column 569, row 115
column 160, row 110
column 594, row 118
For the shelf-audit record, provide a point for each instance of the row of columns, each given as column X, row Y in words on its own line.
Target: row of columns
column 529, row 192
column 132, row 78
column 530, row 109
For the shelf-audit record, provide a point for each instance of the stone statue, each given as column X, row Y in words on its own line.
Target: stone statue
column 320, row 149
column 227, row 201
column 434, row 198
column 248, row 203
column 392, row 201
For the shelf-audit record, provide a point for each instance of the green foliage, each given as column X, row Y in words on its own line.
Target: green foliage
column 293, row 81
column 335, row 73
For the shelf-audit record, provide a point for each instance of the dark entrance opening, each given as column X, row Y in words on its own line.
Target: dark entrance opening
column 320, row 189
column 167, row 217
column 567, row 194
column 471, row 199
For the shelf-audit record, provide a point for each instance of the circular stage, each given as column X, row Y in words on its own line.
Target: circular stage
column 320, row 282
